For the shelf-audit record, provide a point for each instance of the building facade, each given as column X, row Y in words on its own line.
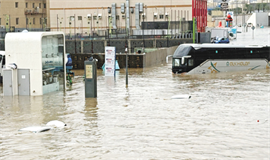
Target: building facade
column 16, row 15
column 88, row 17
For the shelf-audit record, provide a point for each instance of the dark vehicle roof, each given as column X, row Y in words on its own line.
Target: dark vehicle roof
column 184, row 49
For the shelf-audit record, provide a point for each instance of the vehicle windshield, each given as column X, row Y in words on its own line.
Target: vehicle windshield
column 181, row 51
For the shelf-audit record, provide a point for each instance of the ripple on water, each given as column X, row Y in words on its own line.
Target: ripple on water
column 142, row 121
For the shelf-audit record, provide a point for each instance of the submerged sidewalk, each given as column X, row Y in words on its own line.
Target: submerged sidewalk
column 261, row 36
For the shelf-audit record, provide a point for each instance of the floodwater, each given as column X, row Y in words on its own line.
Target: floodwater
column 227, row 117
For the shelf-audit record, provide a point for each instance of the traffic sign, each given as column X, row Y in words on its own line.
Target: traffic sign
column 224, row 5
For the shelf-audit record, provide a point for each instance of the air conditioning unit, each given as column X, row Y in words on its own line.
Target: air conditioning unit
column 155, row 15
column 143, row 16
column 37, row 9
column 99, row 16
column 166, row 15
column 89, row 16
column 109, row 16
column 2, row 27
column 123, row 16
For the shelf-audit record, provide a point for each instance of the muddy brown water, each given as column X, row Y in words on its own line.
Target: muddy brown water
column 227, row 117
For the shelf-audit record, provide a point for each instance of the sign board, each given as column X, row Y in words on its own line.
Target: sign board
column 110, row 61
column 230, row 13
column 224, row 5
column 88, row 71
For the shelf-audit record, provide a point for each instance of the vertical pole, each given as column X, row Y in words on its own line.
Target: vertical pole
column 89, row 28
column 126, row 67
column 75, row 33
column 194, row 29
column 143, row 31
column 57, row 22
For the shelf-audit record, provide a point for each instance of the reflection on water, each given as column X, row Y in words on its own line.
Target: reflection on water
column 142, row 121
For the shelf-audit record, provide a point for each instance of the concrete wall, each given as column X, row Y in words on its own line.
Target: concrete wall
column 98, row 46
column 262, row 18
column 134, row 60
column 258, row 18
column 158, row 56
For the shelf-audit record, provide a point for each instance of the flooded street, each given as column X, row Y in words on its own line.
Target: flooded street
column 227, row 117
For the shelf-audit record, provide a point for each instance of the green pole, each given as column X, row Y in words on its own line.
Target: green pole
column 194, row 29
column 169, row 26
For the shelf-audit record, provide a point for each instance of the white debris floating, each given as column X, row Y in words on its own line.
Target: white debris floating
column 36, row 129
column 49, row 125
column 181, row 97
column 56, row 123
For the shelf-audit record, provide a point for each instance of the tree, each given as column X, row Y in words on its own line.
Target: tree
column 267, row 8
column 251, row 9
column 257, row 7
column 246, row 7
column 261, row 7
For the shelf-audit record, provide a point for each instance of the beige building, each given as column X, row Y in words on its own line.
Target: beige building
column 86, row 17
column 20, row 14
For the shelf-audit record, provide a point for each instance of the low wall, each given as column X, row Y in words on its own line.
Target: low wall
column 134, row 60
column 158, row 56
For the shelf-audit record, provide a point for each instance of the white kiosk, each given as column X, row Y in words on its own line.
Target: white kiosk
column 35, row 63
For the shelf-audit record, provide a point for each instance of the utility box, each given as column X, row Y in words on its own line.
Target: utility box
column 40, row 61
column 90, row 72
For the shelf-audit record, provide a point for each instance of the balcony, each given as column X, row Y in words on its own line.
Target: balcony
column 34, row 11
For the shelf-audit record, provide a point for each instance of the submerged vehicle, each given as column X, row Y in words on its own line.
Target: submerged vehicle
column 215, row 58
column 2, row 64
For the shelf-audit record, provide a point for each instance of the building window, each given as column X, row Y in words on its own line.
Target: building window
column 79, row 18
column 161, row 16
column 71, row 18
column 34, row 21
column 17, row 21
column 33, row 5
column 26, row 5
column 44, row 5
column 16, row 4
column 0, row 21
column 40, row 21
column 39, row 5
column 26, row 20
